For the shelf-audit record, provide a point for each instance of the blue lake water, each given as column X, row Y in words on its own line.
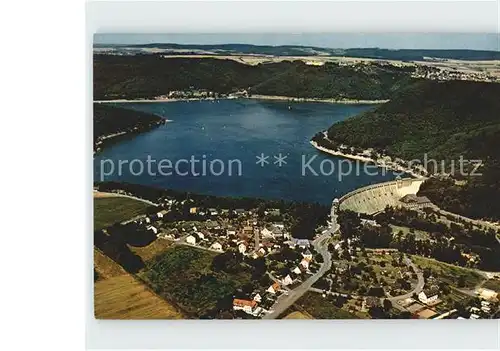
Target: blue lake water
column 239, row 130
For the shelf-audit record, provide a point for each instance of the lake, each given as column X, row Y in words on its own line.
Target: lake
column 208, row 138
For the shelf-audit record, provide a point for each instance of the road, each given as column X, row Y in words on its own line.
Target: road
column 285, row 301
column 416, row 290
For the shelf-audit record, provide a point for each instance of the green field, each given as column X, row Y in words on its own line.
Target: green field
column 321, row 308
column 185, row 275
column 449, row 273
column 111, row 210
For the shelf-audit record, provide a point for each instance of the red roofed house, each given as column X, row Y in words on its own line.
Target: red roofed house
column 246, row 305
column 273, row 289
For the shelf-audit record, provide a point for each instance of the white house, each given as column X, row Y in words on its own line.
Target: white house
column 266, row 233
column 216, row 246
column 201, row 236
column 231, row 232
column 487, row 294
column 304, row 263
column 153, row 229
column 273, row 289
column 297, row 270
column 307, row 255
column 428, row 296
column 287, row 280
column 242, row 248
column 279, row 225
column 257, row 298
column 161, row 213
column 191, row 240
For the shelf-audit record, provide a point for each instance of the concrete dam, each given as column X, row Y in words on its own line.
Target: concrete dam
column 374, row 198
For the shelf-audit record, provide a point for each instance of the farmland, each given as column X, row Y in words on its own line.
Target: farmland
column 298, row 315
column 123, row 297
column 111, row 210
column 185, row 275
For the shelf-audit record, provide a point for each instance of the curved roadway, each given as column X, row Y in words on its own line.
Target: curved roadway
column 286, row 300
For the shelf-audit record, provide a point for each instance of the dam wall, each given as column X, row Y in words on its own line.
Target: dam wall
column 374, row 198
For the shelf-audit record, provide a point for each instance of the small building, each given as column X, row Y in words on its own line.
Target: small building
column 307, row 255
column 257, row 298
column 247, row 306
column 296, row 270
column 414, row 201
column 279, row 225
column 266, row 233
column 242, row 248
column 216, row 246
column 487, row 294
column 200, row 235
column 193, row 210
column 153, row 229
column 274, row 288
column 426, row 313
column 213, row 212
column 161, row 213
column 429, row 296
column 302, row 243
column 191, row 240
column 287, row 280
column 305, row 263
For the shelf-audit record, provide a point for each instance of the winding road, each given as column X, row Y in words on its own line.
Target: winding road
column 285, row 301
column 416, row 290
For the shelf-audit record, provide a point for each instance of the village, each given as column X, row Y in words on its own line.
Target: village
column 364, row 282
column 250, row 232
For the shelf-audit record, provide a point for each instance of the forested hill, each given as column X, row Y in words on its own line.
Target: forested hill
column 443, row 119
column 446, row 120
column 111, row 122
column 148, row 76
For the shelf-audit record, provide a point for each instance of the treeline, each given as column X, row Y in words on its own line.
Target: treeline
column 148, row 76
column 109, row 120
column 299, row 50
column 444, row 121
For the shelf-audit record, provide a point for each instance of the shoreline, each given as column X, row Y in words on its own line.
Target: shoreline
column 365, row 159
column 253, row 97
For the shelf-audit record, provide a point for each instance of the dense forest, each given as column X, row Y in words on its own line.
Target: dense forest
column 148, row 76
column 110, row 120
column 445, row 120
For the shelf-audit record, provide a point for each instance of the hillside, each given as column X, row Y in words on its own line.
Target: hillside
column 149, row 76
column 299, row 50
column 445, row 121
column 112, row 122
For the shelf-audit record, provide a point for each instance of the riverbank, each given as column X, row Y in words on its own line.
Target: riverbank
column 366, row 159
column 253, row 97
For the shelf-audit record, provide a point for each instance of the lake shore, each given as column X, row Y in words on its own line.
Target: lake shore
column 253, row 97
column 365, row 159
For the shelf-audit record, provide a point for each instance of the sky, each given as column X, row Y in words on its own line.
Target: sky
column 473, row 41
